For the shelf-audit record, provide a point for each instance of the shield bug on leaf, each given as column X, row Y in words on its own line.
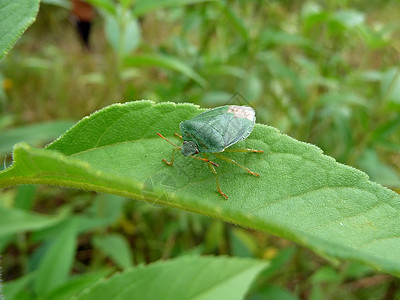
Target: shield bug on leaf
column 213, row 131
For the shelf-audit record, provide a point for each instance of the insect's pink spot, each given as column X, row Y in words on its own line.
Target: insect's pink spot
column 242, row 112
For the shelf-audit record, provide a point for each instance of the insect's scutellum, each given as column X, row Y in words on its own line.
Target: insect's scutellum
column 214, row 131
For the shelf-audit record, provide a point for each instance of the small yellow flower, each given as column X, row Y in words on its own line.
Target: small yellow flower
column 7, row 84
column 270, row 253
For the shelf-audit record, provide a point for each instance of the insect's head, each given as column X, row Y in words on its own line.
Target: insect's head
column 189, row 148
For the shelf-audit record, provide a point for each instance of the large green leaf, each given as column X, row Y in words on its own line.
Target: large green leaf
column 15, row 17
column 182, row 278
column 301, row 194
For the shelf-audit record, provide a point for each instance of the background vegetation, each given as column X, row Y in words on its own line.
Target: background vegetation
column 323, row 72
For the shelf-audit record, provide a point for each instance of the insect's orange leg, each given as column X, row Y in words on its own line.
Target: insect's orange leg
column 173, row 150
column 235, row 163
column 178, row 135
column 216, row 178
column 161, row 136
column 205, row 160
column 172, row 158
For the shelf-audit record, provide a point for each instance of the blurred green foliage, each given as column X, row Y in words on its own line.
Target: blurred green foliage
column 325, row 72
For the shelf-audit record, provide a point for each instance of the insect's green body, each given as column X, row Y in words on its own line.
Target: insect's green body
column 216, row 129
column 212, row 132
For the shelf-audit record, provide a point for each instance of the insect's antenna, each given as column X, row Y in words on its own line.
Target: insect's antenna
column 160, row 135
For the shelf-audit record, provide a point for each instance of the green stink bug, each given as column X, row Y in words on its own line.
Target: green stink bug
column 213, row 131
